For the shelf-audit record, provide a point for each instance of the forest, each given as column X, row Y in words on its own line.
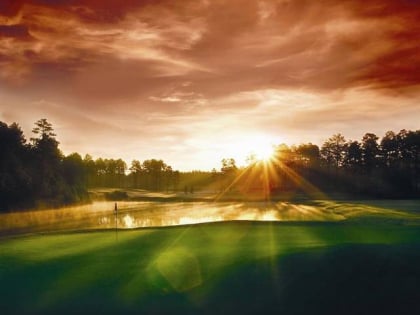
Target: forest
column 36, row 173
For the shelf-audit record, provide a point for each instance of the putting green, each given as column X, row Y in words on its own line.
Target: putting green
column 224, row 267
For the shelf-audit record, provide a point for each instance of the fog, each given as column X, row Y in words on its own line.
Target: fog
column 101, row 215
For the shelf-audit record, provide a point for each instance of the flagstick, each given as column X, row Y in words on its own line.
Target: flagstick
column 116, row 221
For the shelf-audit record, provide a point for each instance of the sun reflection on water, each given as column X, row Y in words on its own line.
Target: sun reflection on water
column 100, row 215
column 128, row 221
column 269, row 216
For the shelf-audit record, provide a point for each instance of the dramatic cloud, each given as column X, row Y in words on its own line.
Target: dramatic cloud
column 170, row 79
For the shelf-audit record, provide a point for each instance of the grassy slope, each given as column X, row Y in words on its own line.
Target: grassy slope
column 231, row 267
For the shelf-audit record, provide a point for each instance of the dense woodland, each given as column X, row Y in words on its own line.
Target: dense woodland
column 35, row 173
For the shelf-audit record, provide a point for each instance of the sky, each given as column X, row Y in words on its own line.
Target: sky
column 195, row 81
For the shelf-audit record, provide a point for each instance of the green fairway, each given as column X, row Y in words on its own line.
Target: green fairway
column 226, row 267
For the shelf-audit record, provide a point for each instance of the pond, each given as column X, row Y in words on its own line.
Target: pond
column 132, row 214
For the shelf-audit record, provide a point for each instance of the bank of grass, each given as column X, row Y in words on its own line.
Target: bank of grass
column 229, row 267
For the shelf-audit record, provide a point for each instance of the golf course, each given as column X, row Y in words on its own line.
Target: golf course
column 318, row 257
column 210, row 157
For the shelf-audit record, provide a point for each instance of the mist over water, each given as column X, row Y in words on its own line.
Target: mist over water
column 101, row 215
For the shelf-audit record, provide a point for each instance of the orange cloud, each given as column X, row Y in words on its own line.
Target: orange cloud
column 328, row 45
column 285, row 65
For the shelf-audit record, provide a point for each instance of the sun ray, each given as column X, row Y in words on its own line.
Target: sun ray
column 307, row 187
column 235, row 180
column 261, row 176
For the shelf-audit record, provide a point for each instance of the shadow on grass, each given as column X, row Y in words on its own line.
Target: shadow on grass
column 352, row 279
column 345, row 279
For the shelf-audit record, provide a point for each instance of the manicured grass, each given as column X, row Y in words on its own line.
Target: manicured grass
column 227, row 267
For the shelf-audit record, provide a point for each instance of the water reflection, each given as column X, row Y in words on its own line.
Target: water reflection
column 190, row 213
column 129, row 221
column 100, row 215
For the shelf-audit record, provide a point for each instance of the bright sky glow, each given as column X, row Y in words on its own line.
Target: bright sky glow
column 192, row 82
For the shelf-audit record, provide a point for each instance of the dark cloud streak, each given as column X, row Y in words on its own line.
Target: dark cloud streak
column 296, row 40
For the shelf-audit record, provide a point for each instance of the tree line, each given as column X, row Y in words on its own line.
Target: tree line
column 387, row 167
column 150, row 174
column 36, row 172
column 373, row 167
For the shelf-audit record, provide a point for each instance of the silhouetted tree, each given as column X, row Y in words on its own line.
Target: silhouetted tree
column 333, row 153
column 390, row 152
column 136, row 170
column 75, row 176
column 90, row 169
column 15, row 177
column 120, row 168
column 370, row 151
column 47, row 159
column 101, row 172
column 154, row 169
column 168, row 176
column 353, row 157
column 333, row 150
column 37, row 173
column 308, row 155
column 176, row 179
column 409, row 147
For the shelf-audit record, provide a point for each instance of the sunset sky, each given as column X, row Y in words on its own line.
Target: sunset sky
column 191, row 81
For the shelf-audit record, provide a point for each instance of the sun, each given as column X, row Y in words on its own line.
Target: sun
column 248, row 149
column 264, row 152
column 260, row 149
